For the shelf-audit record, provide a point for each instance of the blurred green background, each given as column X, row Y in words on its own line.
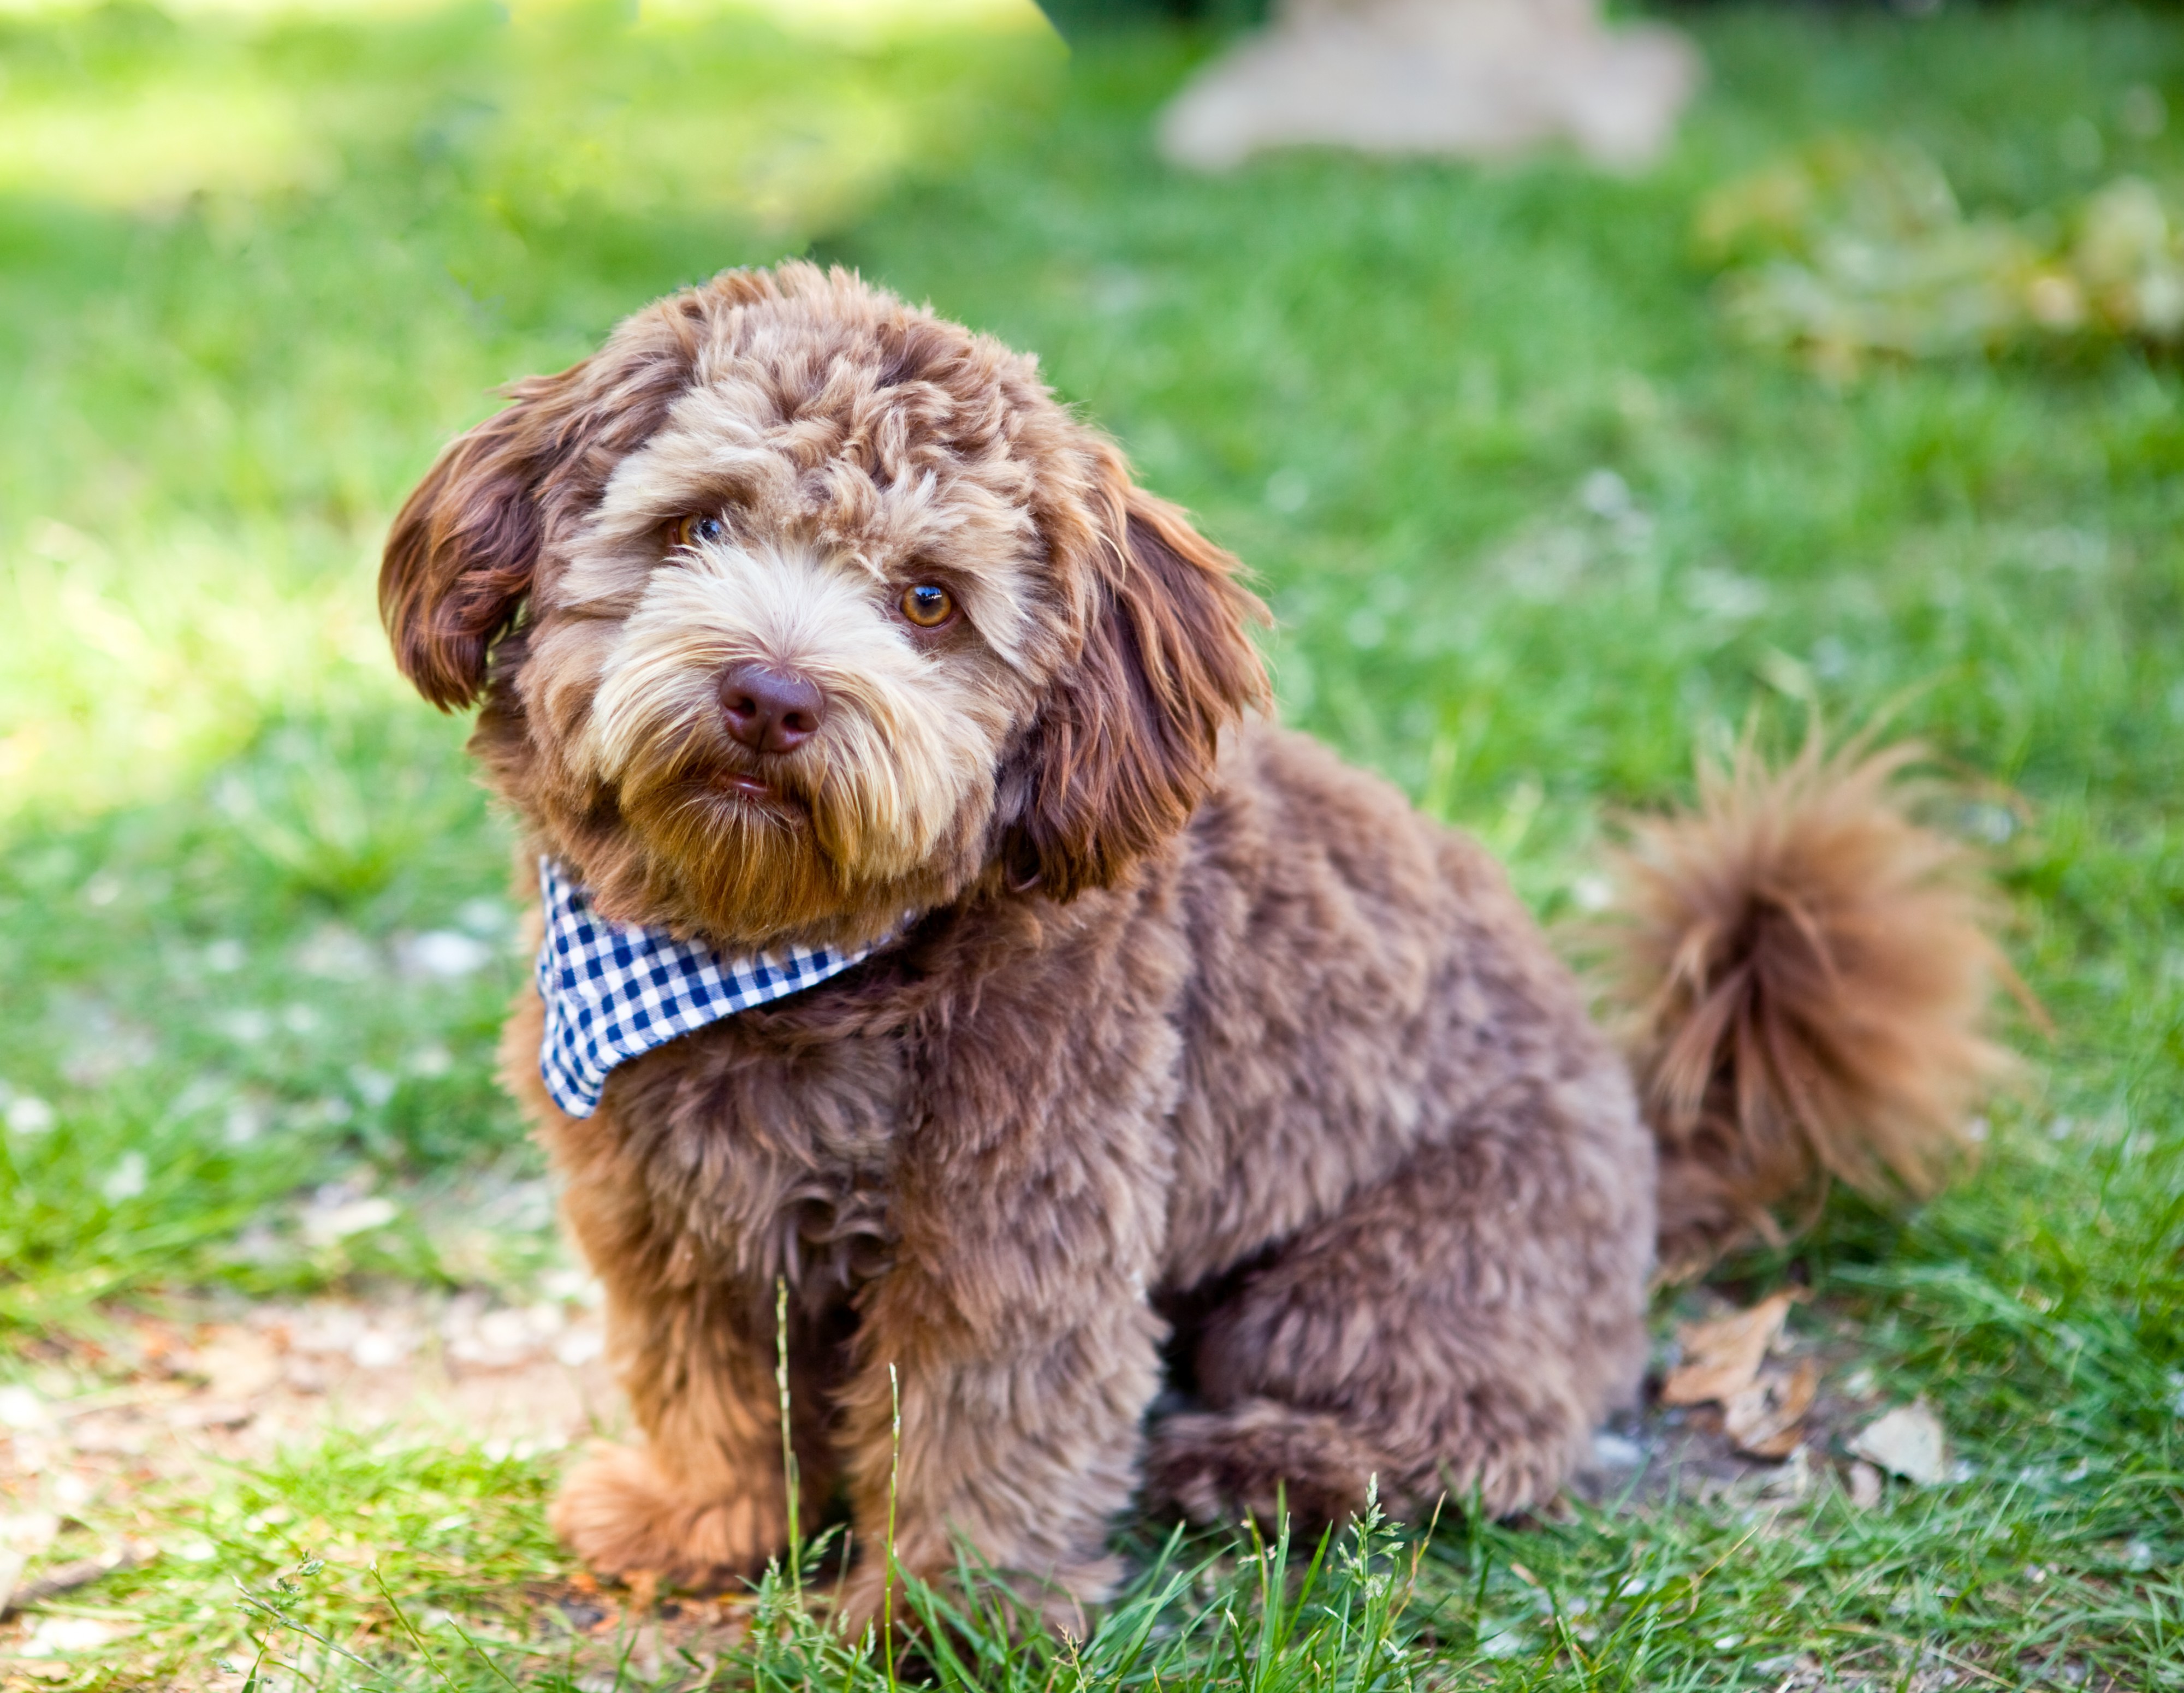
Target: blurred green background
column 1538, row 514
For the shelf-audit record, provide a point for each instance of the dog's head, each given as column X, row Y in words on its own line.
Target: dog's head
column 795, row 608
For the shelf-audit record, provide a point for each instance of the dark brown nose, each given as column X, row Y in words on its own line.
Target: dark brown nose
column 770, row 710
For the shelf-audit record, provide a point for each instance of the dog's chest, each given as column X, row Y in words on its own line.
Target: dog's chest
column 768, row 1152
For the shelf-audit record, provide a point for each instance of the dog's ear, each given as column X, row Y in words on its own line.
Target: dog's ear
column 460, row 559
column 1123, row 745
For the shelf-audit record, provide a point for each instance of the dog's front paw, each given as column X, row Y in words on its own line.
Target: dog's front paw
column 1058, row 1601
column 619, row 1514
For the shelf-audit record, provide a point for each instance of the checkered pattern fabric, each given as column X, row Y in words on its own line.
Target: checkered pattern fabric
column 614, row 990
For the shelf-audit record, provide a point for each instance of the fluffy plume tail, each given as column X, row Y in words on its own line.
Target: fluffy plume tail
column 1809, row 973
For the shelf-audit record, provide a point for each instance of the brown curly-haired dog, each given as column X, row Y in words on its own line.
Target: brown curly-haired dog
column 802, row 615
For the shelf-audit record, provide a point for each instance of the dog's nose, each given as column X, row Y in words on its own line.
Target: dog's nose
column 770, row 710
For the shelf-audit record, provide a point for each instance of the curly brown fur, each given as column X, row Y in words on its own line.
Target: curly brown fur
column 1810, row 971
column 1197, row 1056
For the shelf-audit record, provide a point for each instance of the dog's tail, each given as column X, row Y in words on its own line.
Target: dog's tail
column 1808, row 975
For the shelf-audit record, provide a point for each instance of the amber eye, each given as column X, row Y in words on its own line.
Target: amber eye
column 927, row 606
column 689, row 532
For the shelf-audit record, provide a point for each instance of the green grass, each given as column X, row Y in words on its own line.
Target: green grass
column 1535, row 524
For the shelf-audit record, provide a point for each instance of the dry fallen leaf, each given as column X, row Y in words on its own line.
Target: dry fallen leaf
column 1725, row 1361
column 236, row 1364
column 65, row 1637
column 1766, row 1418
column 1909, row 1442
column 1794, row 1480
column 1722, row 1358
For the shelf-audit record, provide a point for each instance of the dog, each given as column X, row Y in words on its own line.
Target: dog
column 1130, row 1102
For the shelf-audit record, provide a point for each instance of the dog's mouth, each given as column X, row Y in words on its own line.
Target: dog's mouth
column 742, row 787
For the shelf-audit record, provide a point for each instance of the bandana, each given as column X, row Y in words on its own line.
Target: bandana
column 614, row 991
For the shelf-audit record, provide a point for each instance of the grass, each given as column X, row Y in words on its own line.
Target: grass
column 1535, row 523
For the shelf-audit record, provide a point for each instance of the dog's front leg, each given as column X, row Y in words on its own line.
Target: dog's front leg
column 1014, row 1332
column 705, row 1495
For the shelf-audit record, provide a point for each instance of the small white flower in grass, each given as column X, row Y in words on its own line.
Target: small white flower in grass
column 1724, row 593
column 447, row 953
column 198, row 1551
column 23, row 1410
column 301, row 1019
column 247, row 1025
column 224, row 957
column 324, row 1224
column 374, row 1087
column 1606, row 495
column 434, row 1059
column 505, row 1331
column 1591, row 894
column 246, row 1121
column 571, row 1284
column 336, row 954
column 488, row 919
column 28, row 1114
column 377, row 1348
column 1985, row 820
column 127, row 1180
column 62, row 1637
column 579, row 1347
column 28, row 1534
column 201, row 1091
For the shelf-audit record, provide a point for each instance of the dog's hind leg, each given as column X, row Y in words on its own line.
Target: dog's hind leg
column 1455, row 1330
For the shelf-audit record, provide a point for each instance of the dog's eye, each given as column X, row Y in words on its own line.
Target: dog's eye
column 689, row 532
column 927, row 606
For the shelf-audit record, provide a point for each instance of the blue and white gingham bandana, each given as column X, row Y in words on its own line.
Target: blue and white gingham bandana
column 616, row 990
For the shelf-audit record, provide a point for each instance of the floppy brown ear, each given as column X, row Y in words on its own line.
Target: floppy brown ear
column 460, row 559
column 1125, row 743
